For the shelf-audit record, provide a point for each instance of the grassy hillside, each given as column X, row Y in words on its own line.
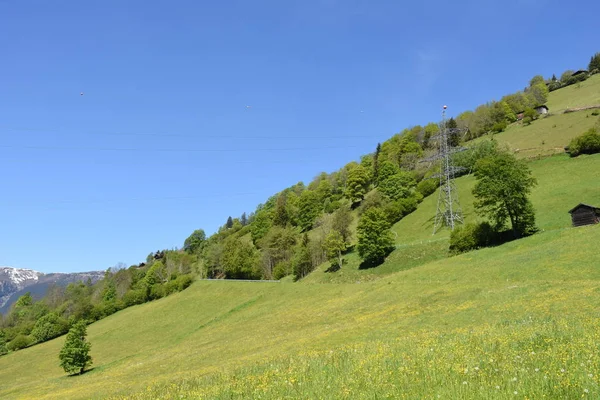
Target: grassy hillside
column 563, row 182
column 499, row 293
column 578, row 95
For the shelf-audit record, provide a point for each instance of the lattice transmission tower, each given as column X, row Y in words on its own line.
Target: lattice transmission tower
column 448, row 211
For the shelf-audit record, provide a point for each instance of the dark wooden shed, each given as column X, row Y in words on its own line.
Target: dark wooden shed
column 584, row 214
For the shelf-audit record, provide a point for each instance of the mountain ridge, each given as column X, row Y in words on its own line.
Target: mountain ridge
column 15, row 282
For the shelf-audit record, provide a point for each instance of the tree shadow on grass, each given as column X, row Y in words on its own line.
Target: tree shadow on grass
column 80, row 374
column 370, row 264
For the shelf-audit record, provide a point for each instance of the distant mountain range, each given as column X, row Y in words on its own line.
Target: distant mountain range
column 14, row 282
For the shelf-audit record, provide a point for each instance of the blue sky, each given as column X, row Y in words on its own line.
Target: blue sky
column 161, row 142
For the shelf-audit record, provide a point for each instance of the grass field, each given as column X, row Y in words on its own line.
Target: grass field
column 539, row 294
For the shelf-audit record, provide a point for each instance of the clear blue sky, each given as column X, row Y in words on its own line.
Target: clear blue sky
column 161, row 143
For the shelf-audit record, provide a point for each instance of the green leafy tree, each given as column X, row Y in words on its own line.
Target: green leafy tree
column 3, row 348
column 341, row 221
column 539, row 94
column 48, row 327
column 324, row 190
column 25, row 300
column 503, row 184
column 309, row 208
column 536, row 80
column 397, row 186
column 386, row 170
column 594, row 64
column 375, row 240
column 281, row 217
column 75, row 354
column 240, row 259
column 509, row 114
column 302, row 263
column 334, row 246
column 260, row 226
column 357, row 184
column 431, row 129
column 567, row 77
column 194, row 242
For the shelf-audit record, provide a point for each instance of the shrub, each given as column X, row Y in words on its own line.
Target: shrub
column 281, row 270
column 20, row 342
column 427, row 186
column 157, row 291
column 48, row 327
column 183, row 282
column 133, row 297
column 470, row 237
column 499, row 126
column 588, row 143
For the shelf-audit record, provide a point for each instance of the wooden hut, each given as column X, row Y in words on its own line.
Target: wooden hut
column 584, row 214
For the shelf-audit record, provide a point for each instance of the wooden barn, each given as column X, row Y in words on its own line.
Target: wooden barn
column 584, row 214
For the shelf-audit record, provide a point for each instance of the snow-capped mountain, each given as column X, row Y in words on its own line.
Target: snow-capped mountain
column 15, row 282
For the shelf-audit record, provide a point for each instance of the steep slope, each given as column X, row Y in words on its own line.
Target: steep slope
column 563, row 182
column 227, row 325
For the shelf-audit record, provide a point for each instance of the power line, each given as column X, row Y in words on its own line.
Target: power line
column 171, row 150
column 141, row 199
column 185, row 135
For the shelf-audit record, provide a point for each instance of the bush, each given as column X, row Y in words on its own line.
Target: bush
column 157, row 291
column 499, row 126
column 470, row 237
column 398, row 209
column 588, row 143
column 134, row 297
column 20, row 342
column 183, row 282
column 281, row 270
column 48, row 327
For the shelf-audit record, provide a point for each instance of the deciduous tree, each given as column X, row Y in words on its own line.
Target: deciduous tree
column 357, row 184
column 501, row 192
column 375, row 240
column 75, row 354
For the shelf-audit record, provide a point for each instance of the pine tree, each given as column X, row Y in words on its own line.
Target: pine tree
column 229, row 223
column 376, row 163
column 244, row 219
column 594, row 63
column 74, row 356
